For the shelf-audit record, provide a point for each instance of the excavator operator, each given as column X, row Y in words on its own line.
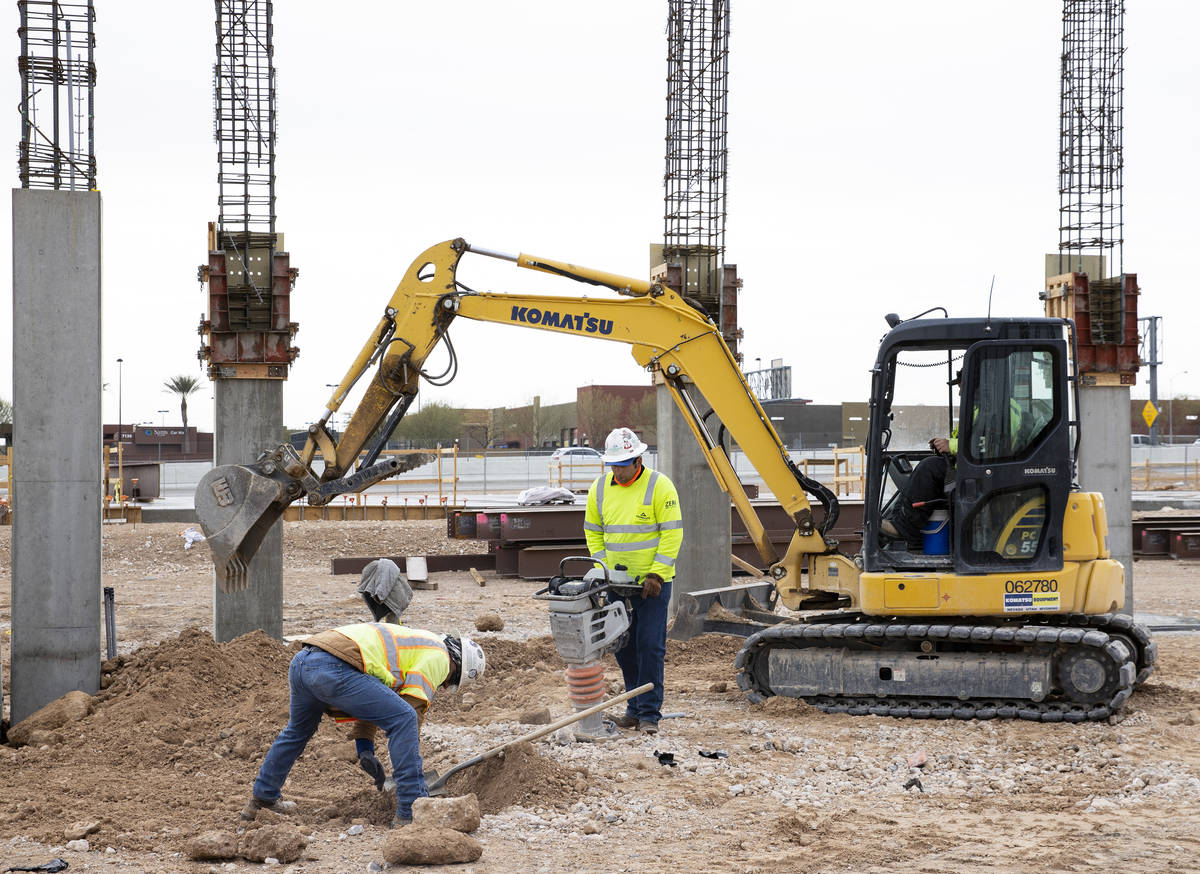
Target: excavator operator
column 993, row 434
column 633, row 520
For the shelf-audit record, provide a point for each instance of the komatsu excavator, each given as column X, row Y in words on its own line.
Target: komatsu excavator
column 1017, row 619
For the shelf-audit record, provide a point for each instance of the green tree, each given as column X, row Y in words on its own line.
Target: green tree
column 5, row 412
column 435, row 423
column 183, row 386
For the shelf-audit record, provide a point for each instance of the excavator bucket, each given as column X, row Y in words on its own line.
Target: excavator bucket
column 738, row 610
column 236, row 506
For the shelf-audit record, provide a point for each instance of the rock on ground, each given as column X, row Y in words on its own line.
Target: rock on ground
column 283, row 842
column 535, row 716
column 212, row 845
column 460, row 813
column 417, row 845
column 489, row 622
column 62, row 711
column 78, row 830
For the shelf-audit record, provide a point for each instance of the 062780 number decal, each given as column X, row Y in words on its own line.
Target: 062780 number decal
column 1030, row 586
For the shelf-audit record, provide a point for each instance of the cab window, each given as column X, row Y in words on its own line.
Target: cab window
column 1013, row 404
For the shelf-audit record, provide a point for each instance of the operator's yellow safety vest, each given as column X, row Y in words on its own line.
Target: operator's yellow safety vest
column 638, row 525
column 410, row 661
column 1015, row 416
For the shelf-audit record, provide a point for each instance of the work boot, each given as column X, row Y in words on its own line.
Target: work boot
column 648, row 727
column 399, row 821
column 904, row 522
column 625, row 721
column 254, row 805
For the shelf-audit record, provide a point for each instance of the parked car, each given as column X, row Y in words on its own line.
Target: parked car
column 575, row 453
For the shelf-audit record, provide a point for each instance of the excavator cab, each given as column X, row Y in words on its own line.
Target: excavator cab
column 1005, row 490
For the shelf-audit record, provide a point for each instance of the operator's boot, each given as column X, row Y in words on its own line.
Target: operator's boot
column 904, row 522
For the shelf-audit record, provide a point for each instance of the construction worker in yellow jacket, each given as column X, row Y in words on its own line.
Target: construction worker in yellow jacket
column 633, row 520
column 375, row 672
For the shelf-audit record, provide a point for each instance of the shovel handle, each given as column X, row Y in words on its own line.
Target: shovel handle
column 541, row 732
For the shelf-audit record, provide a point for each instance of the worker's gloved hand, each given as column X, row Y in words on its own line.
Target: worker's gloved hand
column 374, row 769
column 651, row 586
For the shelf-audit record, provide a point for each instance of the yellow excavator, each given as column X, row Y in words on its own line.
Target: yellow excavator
column 1015, row 618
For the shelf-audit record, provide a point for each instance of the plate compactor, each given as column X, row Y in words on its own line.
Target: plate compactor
column 589, row 617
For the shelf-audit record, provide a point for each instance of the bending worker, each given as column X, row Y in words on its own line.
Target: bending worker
column 633, row 520
column 372, row 671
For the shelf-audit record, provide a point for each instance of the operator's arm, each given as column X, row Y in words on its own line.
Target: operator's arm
column 670, row 525
column 593, row 525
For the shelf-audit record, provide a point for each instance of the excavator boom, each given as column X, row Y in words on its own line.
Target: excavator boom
column 238, row 504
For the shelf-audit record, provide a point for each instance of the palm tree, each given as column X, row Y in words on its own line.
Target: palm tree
column 183, row 386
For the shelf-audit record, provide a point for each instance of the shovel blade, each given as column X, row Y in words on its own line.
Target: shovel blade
column 435, row 784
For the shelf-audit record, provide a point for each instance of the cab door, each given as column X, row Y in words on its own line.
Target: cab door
column 1014, row 468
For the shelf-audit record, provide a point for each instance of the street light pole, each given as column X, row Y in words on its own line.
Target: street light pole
column 1171, row 406
column 120, row 464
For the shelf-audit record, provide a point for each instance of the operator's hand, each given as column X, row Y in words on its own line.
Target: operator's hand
column 940, row 445
column 651, row 586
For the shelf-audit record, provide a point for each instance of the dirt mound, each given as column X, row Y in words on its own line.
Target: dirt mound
column 172, row 747
column 504, row 657
column 518, row 776
column 520, row 675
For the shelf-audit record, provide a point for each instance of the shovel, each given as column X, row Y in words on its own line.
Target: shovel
column 437, row 783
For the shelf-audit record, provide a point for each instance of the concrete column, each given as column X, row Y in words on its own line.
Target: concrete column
column 1104, row 467
column 249, row 421
column 56, row 591
column 703, row 561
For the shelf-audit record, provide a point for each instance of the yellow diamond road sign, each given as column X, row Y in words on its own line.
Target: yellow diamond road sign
column 1149, row 413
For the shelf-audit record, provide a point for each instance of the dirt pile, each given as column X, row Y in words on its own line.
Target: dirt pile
column 176, row 736
column 518, row 776
column 170, row 748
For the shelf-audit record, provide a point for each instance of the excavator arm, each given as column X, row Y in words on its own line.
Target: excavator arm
column 237, row 504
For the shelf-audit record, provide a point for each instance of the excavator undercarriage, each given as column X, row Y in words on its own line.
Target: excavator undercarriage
column 1059, row 668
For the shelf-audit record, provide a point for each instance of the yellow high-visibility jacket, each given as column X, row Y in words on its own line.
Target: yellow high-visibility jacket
column 410, row 661
column 639, row 525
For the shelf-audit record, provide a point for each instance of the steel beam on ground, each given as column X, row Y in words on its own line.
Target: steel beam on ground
column 434, row 563
column 565, row 522
column 1186, row 544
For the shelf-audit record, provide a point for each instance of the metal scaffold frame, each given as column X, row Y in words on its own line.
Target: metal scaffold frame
column 58, row 78
column 1091, row 158
column 697, row 152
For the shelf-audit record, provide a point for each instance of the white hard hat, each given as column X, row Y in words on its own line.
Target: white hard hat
column 622, row 446
column 472, row 662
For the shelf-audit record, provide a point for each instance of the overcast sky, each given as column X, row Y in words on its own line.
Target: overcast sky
column 883, row 157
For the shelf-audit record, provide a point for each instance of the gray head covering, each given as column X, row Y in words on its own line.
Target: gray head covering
column 383, row 583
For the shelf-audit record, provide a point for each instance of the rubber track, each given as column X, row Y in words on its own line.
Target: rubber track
column 1070, row 629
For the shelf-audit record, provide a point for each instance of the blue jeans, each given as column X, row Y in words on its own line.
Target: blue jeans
column 641, row 658
column 318, row 681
